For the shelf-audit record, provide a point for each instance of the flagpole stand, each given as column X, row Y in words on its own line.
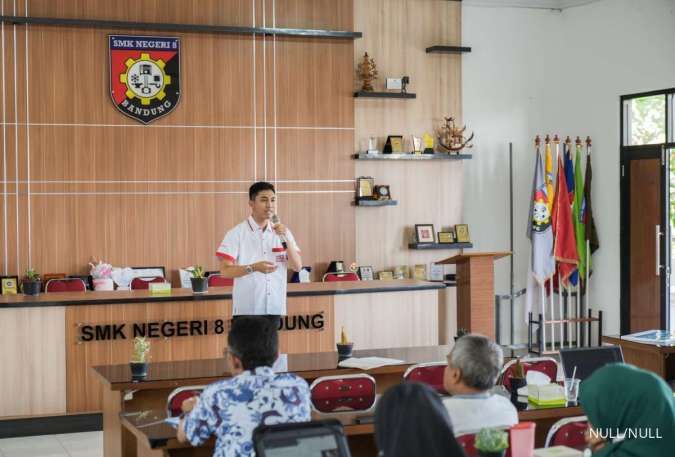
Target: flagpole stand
column 499, row 299
column 536, row 326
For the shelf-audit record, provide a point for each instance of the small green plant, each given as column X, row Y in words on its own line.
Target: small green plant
column 32, row 275
column 141, row 349
column 197, row 271
column 492, row 440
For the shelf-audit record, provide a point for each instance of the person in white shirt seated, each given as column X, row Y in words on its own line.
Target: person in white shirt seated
column 473, row 367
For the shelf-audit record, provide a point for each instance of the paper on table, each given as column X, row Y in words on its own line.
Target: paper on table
column 172, row 421
column 368, row 363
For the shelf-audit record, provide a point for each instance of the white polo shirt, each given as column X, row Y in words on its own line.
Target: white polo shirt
column 257, row 293
column 470, row 413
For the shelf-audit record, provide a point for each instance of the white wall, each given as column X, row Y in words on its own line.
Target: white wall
column 540, row 71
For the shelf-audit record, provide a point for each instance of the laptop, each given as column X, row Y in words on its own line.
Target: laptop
column 587, row 360
column 304, row 439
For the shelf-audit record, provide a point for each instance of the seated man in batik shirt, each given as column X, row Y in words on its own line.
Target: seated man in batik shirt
column 232, row 408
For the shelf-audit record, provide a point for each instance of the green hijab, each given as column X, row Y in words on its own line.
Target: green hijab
column 620, row 396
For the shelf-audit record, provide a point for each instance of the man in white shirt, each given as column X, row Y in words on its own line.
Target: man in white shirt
column 473, row 367
column 257, row 253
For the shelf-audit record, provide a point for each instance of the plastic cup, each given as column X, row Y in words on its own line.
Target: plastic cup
column 522, row 439
column 571, row 389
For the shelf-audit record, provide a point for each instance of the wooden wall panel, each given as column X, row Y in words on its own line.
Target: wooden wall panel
column 84, row 389
column 396, row 34
column 33, row 378
column 91, row 181
column 388, row 320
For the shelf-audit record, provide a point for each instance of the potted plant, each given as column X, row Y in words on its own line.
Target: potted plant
column 101, row 273
column 461, row 332
column 200, row 283
column 518, row 379
column 492, row 442
column 344, row 347
column 138, row 364
column 31, row 283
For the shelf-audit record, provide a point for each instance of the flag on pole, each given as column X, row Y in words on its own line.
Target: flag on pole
column 571, row 187
column 579, row 213
column 539, row 229
column 565, row 246
column 591, row 231
column 550, row 190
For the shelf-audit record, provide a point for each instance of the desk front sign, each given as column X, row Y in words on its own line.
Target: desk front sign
column 169, row 329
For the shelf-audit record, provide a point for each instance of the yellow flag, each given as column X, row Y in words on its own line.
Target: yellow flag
column 548, row 177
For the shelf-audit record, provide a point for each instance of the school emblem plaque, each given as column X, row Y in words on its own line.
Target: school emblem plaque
column 144, row 75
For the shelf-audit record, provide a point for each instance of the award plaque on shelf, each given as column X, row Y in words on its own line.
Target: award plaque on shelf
column 364, row 188
column 10, row 285
column 428, row 141
column 421, row 272
column 393, row 145
column 386, row 276
column 366, row 273
column 462, row 233
column 446, row 237
column 381, row 192
column 416, row 144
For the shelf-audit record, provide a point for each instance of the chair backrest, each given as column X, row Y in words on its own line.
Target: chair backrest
column 568, row 432
column 427, row 373
column 178, row 396
column 65, row 285
column 547, row 365
column 343, row 393
column 468, row 443
column 217, row 280
column 334, row 277
column 142, row 283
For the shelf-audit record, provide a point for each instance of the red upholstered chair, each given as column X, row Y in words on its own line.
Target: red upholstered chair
column 343, row 393
column 468, row 442
column 546, row 365
column 178, row 396
column 142, row 283
column 427, row 373
column 65, row 285
column 568, row 432
column 333, row 277
column 216, row 280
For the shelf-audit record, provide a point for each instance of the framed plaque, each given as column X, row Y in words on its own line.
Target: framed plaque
column 462, row 233
column 382, row 192
column 393, row 145
column 386, row 276
column 424, row 233
column 9, row 285
column 421, row 272
column 446, row 237
column 364, row 187
column 149, row 272
column 366, row 273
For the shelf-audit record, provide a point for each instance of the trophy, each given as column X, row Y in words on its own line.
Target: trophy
column 372, row 145
column 367, row 72
column 428, row 143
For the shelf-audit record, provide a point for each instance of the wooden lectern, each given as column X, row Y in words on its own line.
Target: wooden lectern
column 476, row 290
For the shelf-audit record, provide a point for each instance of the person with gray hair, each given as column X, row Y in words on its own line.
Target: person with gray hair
column 473, row 367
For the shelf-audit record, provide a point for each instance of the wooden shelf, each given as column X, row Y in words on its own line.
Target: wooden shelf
column 198, row 28
column 409, row 156
column 375, row 202
column 440, row 245
column 441, row 49
column 366, row 94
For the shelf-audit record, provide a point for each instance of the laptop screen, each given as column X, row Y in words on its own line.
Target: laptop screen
column 310, row 439
column 587, row 360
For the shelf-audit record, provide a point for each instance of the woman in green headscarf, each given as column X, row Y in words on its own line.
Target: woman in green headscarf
column 622, row 399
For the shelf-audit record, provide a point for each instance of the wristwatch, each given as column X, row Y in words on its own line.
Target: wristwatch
column 249, row 269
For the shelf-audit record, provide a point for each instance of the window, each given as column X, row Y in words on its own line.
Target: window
column 645, row 119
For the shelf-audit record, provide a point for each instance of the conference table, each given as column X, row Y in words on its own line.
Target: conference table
column 154, row 437
column 130, row 405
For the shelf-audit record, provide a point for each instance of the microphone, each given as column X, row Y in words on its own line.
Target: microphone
column 277, row 221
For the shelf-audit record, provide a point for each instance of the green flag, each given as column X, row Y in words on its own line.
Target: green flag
column 578, row 212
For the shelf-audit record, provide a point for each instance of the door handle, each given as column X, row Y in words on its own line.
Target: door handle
column 657, row 243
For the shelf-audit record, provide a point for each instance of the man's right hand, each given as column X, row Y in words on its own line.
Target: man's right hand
column 264, row 266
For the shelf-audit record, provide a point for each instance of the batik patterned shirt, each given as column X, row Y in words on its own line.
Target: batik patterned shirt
column 231, row 409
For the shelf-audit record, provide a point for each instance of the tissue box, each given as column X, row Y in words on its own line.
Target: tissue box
column 557, row 451
column 547, row 395
column 159, row 288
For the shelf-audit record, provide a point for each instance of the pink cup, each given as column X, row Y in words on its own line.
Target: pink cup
column 522, row 439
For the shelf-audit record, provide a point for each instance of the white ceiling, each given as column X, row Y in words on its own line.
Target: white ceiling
column 542, row 4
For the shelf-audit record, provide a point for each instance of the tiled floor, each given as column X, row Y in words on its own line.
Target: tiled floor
column 88, row 444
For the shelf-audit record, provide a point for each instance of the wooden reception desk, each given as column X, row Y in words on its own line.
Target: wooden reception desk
column 49, row 343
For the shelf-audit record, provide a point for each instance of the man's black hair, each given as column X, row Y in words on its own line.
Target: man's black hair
column 258, row 187
column 254, row 341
